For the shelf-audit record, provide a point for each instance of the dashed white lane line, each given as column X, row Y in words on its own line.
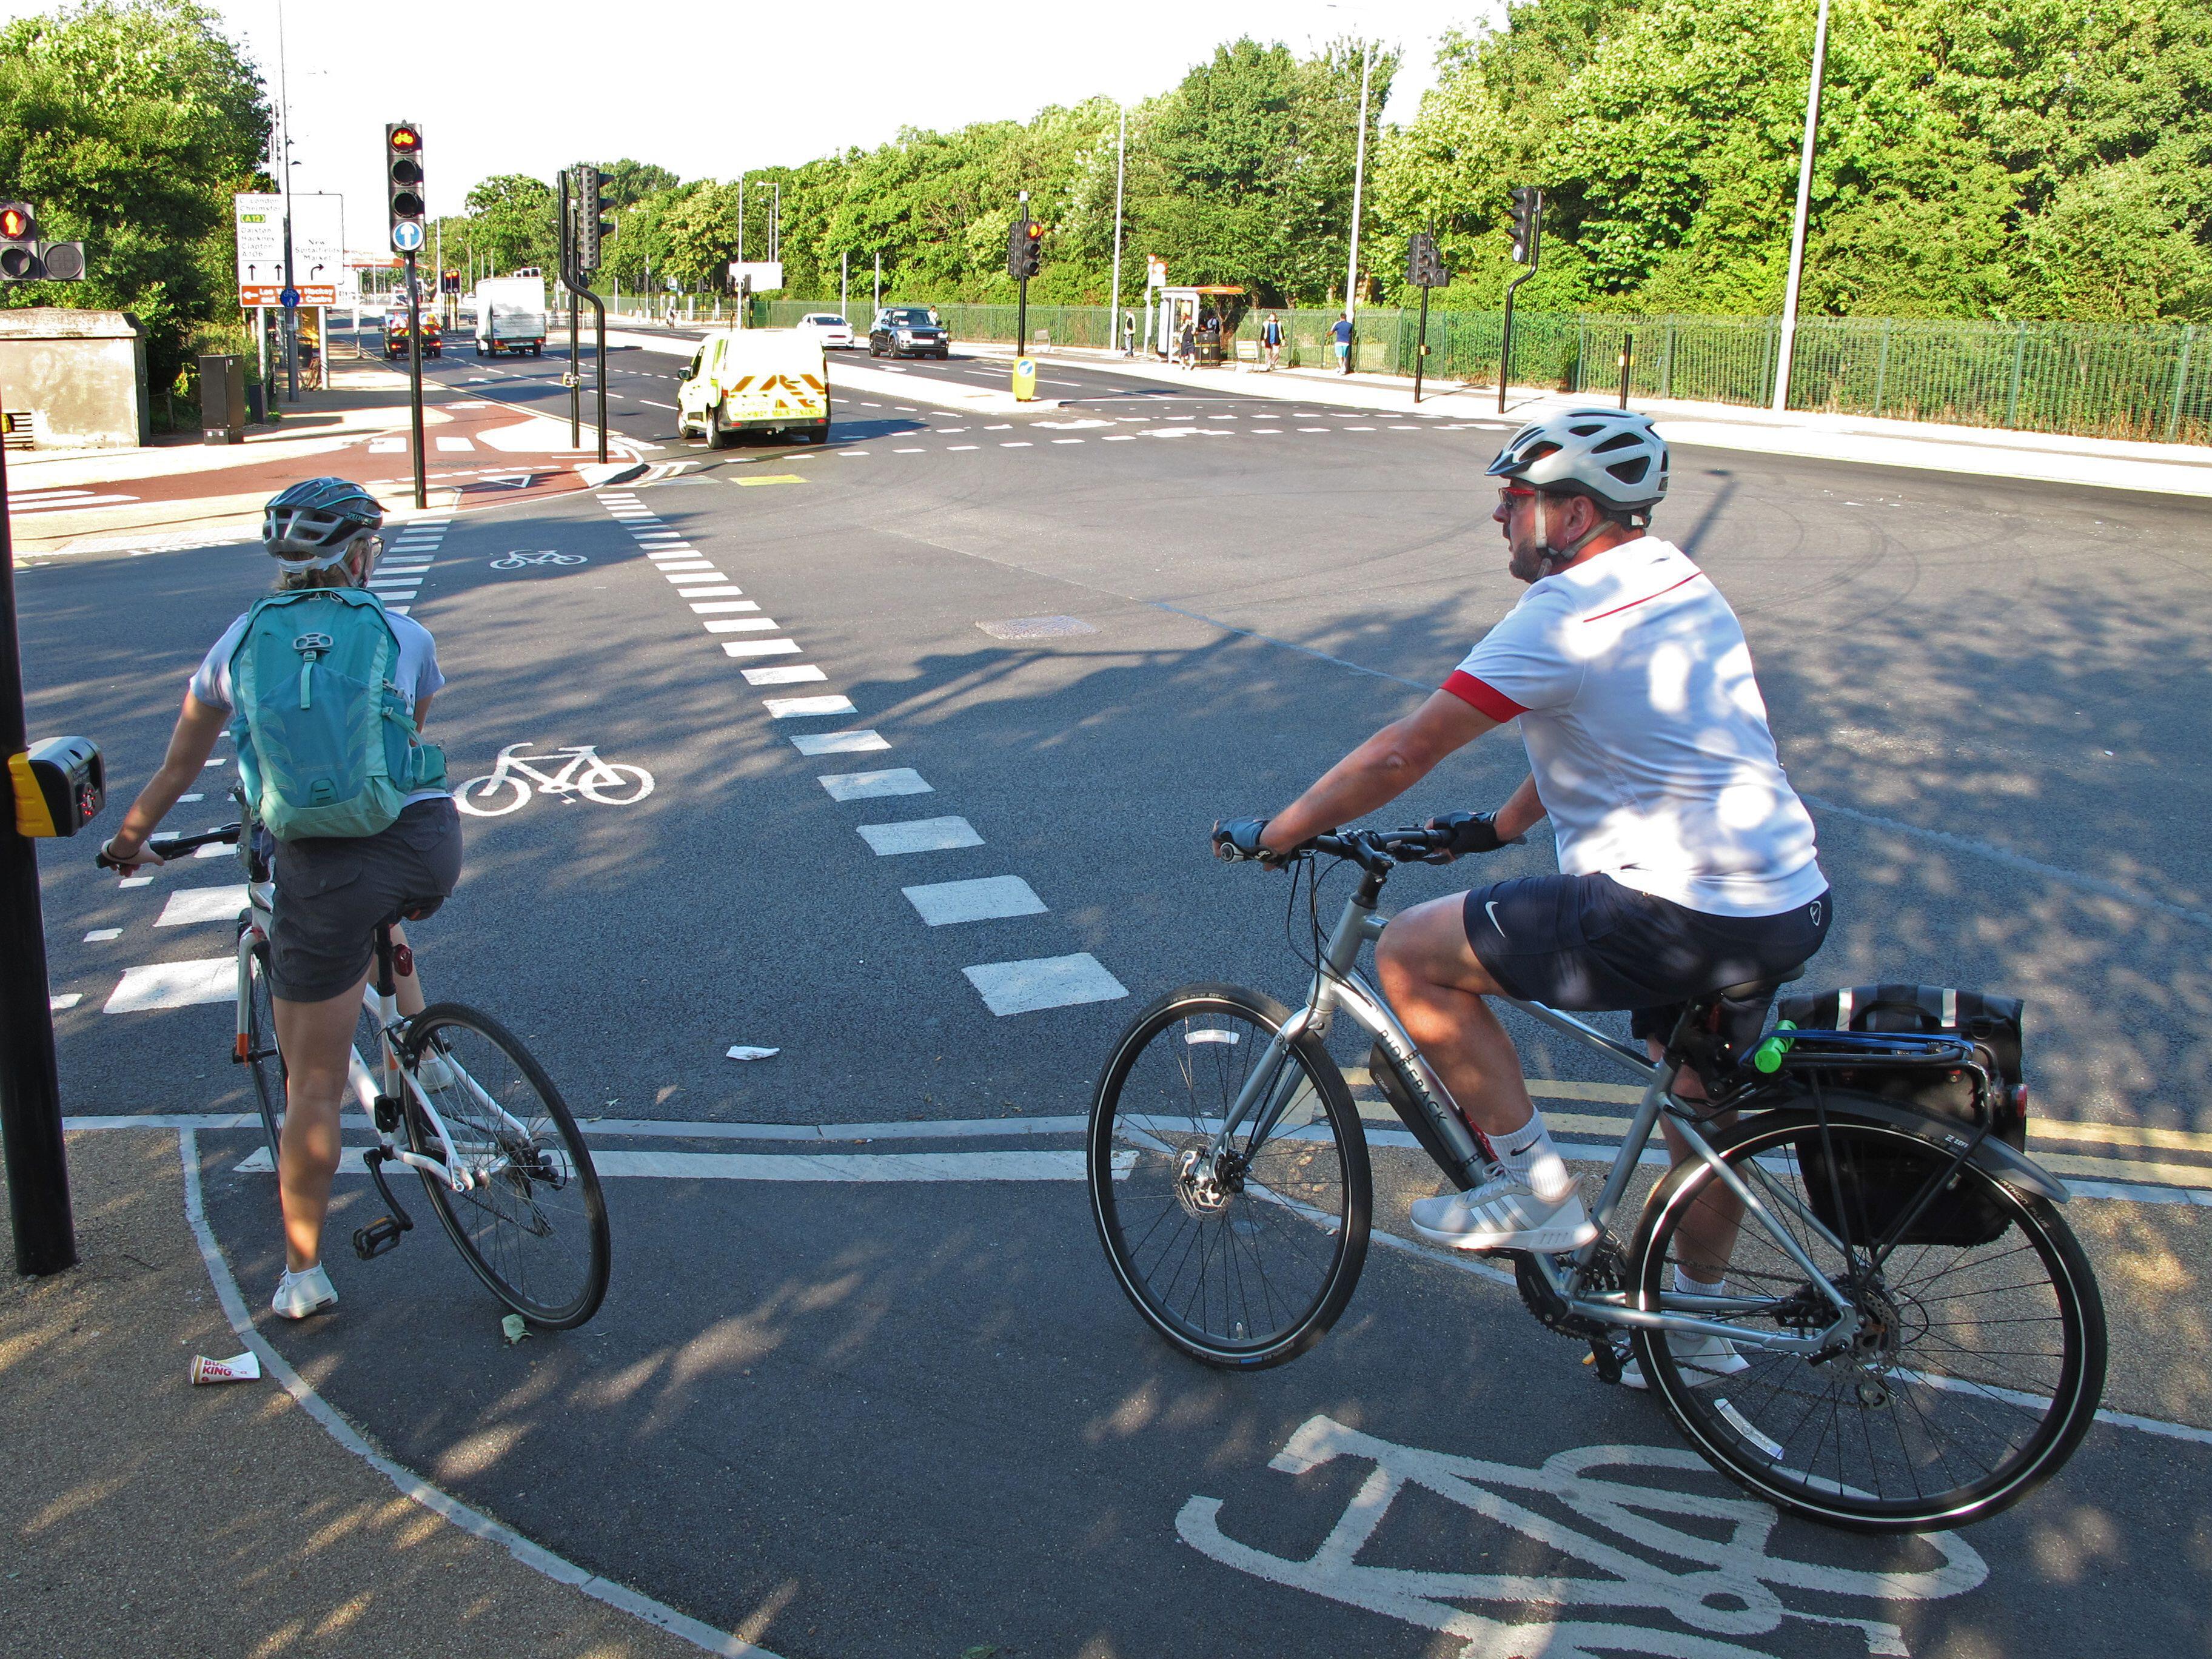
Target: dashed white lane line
column 786, row 708
column 873, row 786
column 839, row 743
column 760, row 648
column 1023, row 987
column 687, row 577
column 955, row 448
column 717, row 607
column 919, row 835
column 795, row 673
column 742, row 625
column 67, row 999
column 941, row 904
column 101, row 935
column 195, row 907
column 173, row 985
column 712, row 591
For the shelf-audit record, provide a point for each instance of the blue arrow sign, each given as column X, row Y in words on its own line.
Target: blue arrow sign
column 407, row 236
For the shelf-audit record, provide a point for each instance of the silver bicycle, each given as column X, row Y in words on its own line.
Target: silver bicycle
column 454, row 1097
column 1906, row 1335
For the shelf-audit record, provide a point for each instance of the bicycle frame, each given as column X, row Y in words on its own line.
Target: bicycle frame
column 1338, row 985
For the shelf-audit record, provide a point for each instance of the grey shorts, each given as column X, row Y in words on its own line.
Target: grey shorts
column 332, row 892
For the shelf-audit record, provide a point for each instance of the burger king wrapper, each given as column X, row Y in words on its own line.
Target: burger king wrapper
column 239, row 1367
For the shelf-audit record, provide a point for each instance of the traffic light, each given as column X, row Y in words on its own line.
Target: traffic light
column 1024, row 252
column 591, row 229
column 19, row 246
column 24, row 258
column 1527, row 222
column 403, row 171
column 449, row 281
column 1425, row 265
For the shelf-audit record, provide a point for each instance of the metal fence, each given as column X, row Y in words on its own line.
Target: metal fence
column 2149, row 381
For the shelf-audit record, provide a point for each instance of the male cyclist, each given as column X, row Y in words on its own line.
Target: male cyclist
column 1686, row 861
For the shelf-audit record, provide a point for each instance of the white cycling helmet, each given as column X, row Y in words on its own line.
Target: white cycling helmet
column 1611, row 455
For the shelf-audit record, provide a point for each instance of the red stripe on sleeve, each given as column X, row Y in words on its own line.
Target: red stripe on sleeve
column 1488, row 698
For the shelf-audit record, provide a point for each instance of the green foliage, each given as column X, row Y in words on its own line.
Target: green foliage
column 511, row 222
column 128, row 126
column 1977, row 158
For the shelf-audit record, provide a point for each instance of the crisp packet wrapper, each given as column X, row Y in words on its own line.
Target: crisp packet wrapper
column 239, row 1367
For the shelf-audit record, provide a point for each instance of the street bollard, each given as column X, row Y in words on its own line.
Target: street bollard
column 1024, row 379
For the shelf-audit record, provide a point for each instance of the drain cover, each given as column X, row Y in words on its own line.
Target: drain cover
column 1037, row 627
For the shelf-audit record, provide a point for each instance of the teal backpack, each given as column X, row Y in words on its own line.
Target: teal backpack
column 324, row 743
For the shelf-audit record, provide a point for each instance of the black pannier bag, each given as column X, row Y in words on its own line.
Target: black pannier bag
column 1878, row 1185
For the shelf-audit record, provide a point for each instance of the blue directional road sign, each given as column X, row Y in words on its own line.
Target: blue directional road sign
column 407, row 236
column 289, row 299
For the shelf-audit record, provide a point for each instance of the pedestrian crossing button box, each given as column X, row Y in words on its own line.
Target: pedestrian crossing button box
column 222, row 400
column 59, row 787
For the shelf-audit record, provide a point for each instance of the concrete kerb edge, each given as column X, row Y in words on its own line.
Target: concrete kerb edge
column 411, row 1485
column 921, row 391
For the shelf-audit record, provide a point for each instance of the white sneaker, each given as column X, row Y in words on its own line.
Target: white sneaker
column 434, row 1072
column 1504, row 1215
column 1701, row 1359
column 299, row 1295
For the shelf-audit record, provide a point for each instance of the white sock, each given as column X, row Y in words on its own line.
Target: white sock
column 1689, row 1286
column 1527, row 1153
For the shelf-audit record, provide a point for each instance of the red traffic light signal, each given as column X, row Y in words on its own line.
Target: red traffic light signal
column 17, row 222
column 403, row 138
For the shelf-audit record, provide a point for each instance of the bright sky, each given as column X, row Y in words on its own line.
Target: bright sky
column 509, row 88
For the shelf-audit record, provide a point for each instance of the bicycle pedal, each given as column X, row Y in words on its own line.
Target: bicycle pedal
column 379, row 1235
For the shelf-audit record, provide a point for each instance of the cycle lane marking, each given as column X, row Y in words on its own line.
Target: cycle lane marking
column 411, row 1486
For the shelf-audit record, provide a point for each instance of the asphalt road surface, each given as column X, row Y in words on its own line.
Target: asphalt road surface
column 904, row 1411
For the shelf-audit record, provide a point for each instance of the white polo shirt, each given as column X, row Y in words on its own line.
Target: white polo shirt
column 1647, row 735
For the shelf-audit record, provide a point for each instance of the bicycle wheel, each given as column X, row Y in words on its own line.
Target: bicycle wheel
column 1981, row 1355
column 480, row 797
column 1247, row 1261
column 615, row 785
column 261, row 1051
column 534, row 1226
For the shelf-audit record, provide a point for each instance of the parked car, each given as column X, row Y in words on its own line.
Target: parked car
column 833, row 330
column 909, row 331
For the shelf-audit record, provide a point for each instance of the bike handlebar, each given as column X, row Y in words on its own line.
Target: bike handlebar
column 169, row 846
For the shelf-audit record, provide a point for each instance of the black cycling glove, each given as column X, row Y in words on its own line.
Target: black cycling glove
column 1470, row 832
column 1238, row 839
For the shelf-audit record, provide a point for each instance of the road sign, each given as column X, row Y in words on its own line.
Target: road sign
column 289, row 299
column 407, row 236
column 318, row 247
column 767, row 275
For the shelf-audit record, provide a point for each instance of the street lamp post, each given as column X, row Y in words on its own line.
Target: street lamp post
column 291, row 313
column 1358, row 179
column 1114, row 304
column 1789, row 342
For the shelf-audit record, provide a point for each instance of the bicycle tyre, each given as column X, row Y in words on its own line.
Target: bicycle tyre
column 1132, row 1155
column 1773, row 1456
column 263, row 1056
column 545, row 1189
column 621, row 776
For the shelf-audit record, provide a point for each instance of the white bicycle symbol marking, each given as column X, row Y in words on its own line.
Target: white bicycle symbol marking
column 1730, row 1589
column 521, row 558
column 606, row 782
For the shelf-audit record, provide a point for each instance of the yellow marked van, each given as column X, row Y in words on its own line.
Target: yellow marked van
column 756, row 379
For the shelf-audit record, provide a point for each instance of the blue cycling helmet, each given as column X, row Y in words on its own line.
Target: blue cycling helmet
column 313, row 525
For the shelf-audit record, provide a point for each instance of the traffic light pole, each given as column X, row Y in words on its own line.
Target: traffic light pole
column 1505, row 345
column 568, row 281
column 30, row 1090
column 414, row 383
column 1421, row 355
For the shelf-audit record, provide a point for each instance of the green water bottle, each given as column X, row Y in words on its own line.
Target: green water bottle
column 1767, row 1057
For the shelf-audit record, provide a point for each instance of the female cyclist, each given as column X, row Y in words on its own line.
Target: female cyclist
column 332, row 891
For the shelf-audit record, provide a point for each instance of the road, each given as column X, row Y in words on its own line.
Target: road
column 911, row 1415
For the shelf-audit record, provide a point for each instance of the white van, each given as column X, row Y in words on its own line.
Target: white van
column 511, row 315
column 756, row 379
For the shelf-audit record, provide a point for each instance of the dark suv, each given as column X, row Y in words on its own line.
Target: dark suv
column 908, row 331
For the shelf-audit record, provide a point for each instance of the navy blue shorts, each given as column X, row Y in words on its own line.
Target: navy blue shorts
column 1587, row 943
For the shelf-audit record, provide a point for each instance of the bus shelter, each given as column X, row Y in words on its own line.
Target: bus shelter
column 1203, row 306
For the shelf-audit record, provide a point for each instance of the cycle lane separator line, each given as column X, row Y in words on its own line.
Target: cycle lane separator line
column 833, row 1169
column 411, row 1485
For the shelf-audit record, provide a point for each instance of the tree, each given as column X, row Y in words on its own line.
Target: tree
column 129, row 126
column 514, row 221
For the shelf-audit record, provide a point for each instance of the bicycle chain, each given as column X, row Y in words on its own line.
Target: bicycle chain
column 1608, row 1271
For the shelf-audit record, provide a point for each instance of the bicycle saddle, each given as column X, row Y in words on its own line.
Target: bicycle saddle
column 416, row 909
column 1754, row 989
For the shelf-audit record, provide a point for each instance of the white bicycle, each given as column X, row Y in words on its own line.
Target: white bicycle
column 504, row 788
column 522, row 559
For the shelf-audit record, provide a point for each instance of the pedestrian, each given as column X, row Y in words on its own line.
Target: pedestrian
column 1187, row 343
column 1341, row 330
column 1129, row 339
column 1271, row 337
column 389, row 847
